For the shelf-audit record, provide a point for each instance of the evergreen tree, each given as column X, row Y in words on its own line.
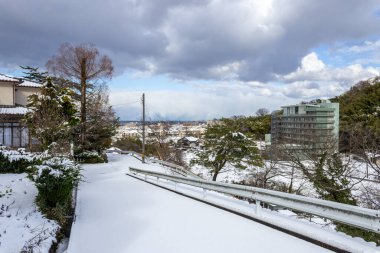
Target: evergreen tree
column 51, row 115
column 101, row 120
column 33, row 74
column 223, row 144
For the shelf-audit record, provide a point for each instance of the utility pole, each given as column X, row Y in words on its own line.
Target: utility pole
column 143, row 129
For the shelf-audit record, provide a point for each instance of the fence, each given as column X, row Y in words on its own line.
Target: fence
column 352, row 215
column 174, row 167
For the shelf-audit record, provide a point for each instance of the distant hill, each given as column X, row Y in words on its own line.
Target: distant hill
column 360, row 104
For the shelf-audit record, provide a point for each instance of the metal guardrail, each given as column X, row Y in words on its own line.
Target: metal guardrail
column 178, row 169
column 133, row 153
column 174, row 167
column 352, row 215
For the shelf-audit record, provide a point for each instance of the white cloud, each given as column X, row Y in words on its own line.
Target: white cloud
column 313, row 69
column 228, row 71
column 314, row 79
column 202, row 102
column 215, row 99
column 366, row 46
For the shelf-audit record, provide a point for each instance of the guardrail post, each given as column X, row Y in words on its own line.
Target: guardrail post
column 204, row 193
column 258, row 207
column 157, row 179
column 145, row 177
column 175, row 185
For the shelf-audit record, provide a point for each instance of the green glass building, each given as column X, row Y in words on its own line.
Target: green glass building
column 307, row 125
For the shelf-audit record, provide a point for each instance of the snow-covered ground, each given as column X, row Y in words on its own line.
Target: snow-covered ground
column 231, row 174
column 363, row 191
column 22, row 226
column 117, row 213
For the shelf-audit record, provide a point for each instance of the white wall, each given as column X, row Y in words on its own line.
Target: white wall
column 22, row 94
column 6, row 93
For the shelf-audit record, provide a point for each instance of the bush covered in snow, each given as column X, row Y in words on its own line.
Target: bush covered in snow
column 90, row 157
column 55, row 179
column 16, row 161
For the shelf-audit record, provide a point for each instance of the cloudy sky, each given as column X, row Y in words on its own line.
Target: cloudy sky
column 204, row 59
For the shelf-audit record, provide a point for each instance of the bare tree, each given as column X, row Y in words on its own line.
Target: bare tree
column 329, row 172
column 274, row 168
column 365, row 143
column 162, row 147
column 83, row 66
column 160, row 133
column 264, row 175
column 262, row 112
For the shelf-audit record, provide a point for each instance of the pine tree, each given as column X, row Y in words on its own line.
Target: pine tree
column 52, row 114
column 101, row 120
column 223, row 144
column 33, row 74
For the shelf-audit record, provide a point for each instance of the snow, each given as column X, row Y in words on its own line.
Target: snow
column 239, row 134
column 62, row 246
column 315, row 227
column 22, row 226
column 14, row 110
column 8, row 78
column 117, row 213
column 191, row 139
column 111, row 149
column 15, row 155
column 26, row 83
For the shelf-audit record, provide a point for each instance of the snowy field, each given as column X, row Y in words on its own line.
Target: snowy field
column 117, row 213
column 22, row 226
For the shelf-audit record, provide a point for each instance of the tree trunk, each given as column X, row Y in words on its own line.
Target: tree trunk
column 290, row 189
column 83, row 101
column 219, row 168
column 215, row 175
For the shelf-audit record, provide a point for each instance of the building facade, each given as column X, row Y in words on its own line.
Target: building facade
column 306, row 125
column 14, row 94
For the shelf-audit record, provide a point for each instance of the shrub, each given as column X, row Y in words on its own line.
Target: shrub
column 55, row 179
column 17, row 161
column 90, row 157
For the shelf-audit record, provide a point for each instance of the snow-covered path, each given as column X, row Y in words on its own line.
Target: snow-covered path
column 117, row 213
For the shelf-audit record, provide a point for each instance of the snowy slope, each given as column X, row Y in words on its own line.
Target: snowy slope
column 117, row 213
column 22, row 226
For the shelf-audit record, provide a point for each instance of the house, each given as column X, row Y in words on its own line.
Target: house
column 14, row 94
column 188, row 142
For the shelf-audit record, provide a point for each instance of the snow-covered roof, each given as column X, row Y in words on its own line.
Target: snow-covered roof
column 5, row 78
column 190, row 138
column 18, row 110
column 19, row 81
column 26, row 83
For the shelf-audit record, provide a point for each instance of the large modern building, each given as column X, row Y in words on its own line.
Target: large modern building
column 306, row 125
column 14, row 94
